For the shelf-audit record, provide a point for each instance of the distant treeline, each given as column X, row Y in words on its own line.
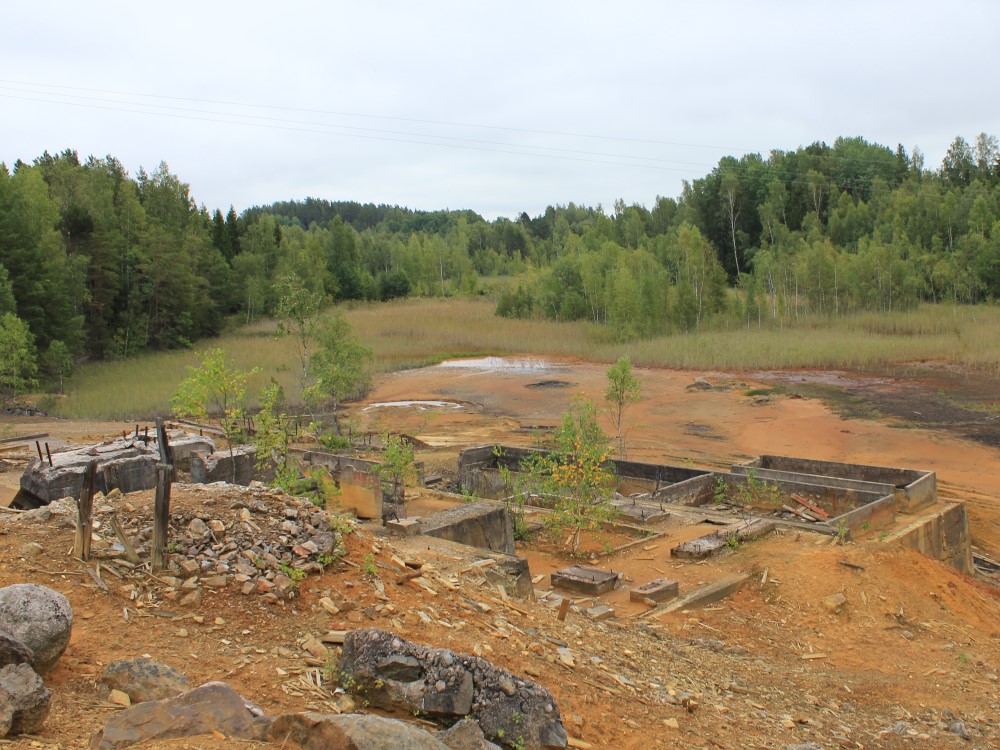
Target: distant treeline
column 97, row 263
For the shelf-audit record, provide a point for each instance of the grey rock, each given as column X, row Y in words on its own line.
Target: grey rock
column 959, row 728
column 24, row 701
column 31, row 549
column 12, row 651
column 40, row 618
column 143, row 680
column 211, row 707
column 453, row 686
column 314, row 731
column 466, row 735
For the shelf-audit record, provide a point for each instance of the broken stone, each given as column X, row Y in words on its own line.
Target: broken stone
column 314, row 730
column 466, row 735
column 144, row 680
column 31, row 549
column 834, row 604
column 472, row 687
column 212, row 707
column 24, row 701
column 190, row 567
column 38, row 617
column 119, row 698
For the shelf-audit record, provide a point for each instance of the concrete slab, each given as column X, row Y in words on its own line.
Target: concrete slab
column 701, row 596
column 586, row 580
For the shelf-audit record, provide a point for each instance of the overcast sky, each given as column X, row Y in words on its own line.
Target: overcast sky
column 497, row 107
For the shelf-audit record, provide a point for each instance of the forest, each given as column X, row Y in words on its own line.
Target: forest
column 96, row 264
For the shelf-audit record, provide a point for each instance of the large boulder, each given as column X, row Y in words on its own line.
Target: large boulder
column 143, row 680
column 38, row 617
column 395, row 674
column 24, row 700
column 211, row 707
column 313, row 731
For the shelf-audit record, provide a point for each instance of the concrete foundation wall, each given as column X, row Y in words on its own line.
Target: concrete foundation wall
column 864, row 472
column 942, row 536
column 360, row 493
column 772, row 475
column 834, row 500
column 913, row 489
column 478, row 471
column 483, row 525
column 868, row 518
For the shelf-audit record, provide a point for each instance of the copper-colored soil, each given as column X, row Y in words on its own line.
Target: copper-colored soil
column 916, row 643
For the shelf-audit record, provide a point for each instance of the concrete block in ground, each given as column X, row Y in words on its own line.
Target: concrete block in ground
column 484, row 525
column 591, row 581
column 599, row 612
column 702, row 596
column 219, row 466
column 406, row 526
column 659, row 589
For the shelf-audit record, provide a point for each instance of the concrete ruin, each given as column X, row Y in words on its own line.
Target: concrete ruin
column 826, row 497
column 484, row 525
column 127, row 464
column 235, row 466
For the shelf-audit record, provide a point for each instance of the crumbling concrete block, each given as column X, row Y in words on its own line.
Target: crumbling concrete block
column 236, row 466
column 406, row 526
column 121, row 465
column 483, row 524
column 658, row 590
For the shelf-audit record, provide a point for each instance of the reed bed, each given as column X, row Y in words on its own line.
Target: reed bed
column 418, row 332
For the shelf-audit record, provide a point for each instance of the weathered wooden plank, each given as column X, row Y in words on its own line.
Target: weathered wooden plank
column 85, row 514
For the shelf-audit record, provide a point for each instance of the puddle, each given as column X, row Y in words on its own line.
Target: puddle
column 422, row 405
column 502, row 364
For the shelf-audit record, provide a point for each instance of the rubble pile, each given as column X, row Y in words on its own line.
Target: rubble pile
column 257, row 539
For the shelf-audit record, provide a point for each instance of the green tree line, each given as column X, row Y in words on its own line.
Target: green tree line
column 96, row 263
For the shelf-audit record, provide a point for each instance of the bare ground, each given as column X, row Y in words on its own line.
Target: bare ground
column 916, row 647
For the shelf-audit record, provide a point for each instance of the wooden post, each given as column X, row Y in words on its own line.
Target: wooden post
column 85, row 514
column 161, row 504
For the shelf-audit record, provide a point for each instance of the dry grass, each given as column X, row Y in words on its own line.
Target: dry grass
column 417, row 332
